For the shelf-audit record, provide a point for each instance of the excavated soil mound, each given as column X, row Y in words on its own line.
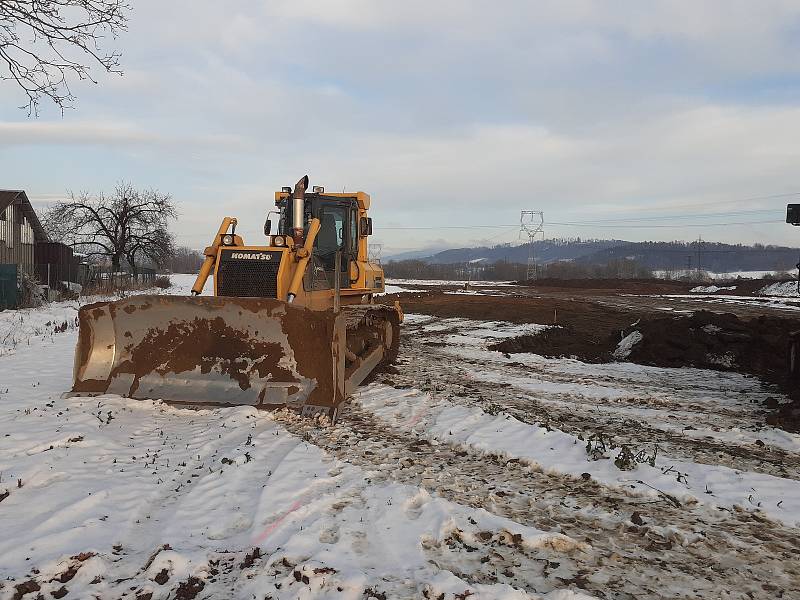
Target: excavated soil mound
column 711, row 340
column 704, row 339
column 557, row 343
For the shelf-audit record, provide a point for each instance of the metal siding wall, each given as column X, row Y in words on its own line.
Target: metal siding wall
column 16, row 252
column 5, row 235
column 57, row 260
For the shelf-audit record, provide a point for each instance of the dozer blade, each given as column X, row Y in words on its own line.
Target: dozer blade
column 213, row 350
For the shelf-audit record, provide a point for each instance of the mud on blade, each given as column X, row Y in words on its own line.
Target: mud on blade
column 252, row 351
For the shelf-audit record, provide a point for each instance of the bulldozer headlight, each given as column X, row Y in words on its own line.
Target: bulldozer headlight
column 278, row 240
column 227, row 240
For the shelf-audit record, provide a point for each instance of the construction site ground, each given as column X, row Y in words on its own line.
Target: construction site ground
column 516, row 450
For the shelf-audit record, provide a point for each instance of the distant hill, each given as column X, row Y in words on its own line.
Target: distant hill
column 414, row 254
column 713, row 256
column 545, row 251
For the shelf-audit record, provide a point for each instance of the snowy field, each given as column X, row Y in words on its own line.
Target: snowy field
column 785, row 288
column 718, row 276
column 462, row 473
column 784, row 302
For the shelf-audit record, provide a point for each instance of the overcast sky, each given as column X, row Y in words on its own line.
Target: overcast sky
column 449, row 113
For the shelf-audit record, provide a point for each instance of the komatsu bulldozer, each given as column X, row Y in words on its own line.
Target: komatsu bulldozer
column 292, row 322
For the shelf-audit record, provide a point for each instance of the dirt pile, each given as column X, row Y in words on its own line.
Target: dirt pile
column 559, row 342
column 711, row 340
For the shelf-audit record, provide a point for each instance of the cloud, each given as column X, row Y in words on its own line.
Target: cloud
column 457, row 112
column 98, row 133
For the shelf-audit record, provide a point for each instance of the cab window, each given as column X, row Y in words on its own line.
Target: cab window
column 331, row 236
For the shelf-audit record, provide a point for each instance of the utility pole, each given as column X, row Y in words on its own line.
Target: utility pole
column 699, row 247
column 531, row 223
column 797, row 265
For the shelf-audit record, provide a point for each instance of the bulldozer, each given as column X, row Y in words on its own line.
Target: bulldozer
column 291, row 323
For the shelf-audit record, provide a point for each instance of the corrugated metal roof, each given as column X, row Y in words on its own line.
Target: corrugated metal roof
column 9, row 196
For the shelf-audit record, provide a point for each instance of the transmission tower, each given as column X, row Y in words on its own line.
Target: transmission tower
column 531, row 224
column 374, row 252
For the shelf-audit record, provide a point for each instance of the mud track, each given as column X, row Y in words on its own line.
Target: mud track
column 673, row 552
column 495, row 383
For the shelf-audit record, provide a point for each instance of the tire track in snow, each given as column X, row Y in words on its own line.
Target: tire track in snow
column 437, row 370
column 677, row 552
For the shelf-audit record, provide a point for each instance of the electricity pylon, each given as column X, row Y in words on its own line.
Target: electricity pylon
column 531, row 223
column 374, row 252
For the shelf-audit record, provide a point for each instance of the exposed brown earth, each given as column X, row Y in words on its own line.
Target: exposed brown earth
column 628, row 286
column 579, row 314
column 746, row 339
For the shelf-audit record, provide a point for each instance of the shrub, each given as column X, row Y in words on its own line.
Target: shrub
column 163, row 282
column 30, row 291
column 70, row 294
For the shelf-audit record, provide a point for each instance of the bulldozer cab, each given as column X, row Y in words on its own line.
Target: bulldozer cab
column 338, row 234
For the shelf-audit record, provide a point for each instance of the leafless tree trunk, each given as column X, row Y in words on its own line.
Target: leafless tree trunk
column 185, row 260
column 45, row 43
column 130, row 224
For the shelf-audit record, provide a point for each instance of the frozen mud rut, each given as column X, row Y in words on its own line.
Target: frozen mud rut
column 460, row 474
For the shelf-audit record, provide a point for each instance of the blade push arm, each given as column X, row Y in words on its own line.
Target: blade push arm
column 302, row 256
column 211, row 256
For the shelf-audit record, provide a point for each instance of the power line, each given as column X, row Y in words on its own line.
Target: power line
column 677, row 225
column 728, row 202
column 690, row 216
column 586, row 224
column 455, row 227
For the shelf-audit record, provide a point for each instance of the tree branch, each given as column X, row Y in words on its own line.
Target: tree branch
column 57, row 29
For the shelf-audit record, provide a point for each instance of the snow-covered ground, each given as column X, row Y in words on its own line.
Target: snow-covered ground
column 463, row 473
column 396, row 289
column 785, row 288
column 711, row 289
column 721, row 276
column 786, row 302
column 744, row 274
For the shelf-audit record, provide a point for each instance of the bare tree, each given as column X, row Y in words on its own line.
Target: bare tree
column 45, row 43
column 131, row 224
column 185, row 260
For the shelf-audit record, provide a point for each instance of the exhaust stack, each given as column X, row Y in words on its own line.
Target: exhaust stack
column 298, row 212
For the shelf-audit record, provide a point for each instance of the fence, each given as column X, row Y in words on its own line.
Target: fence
column 8, row 286
column 105, row 280
column 59, row 276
